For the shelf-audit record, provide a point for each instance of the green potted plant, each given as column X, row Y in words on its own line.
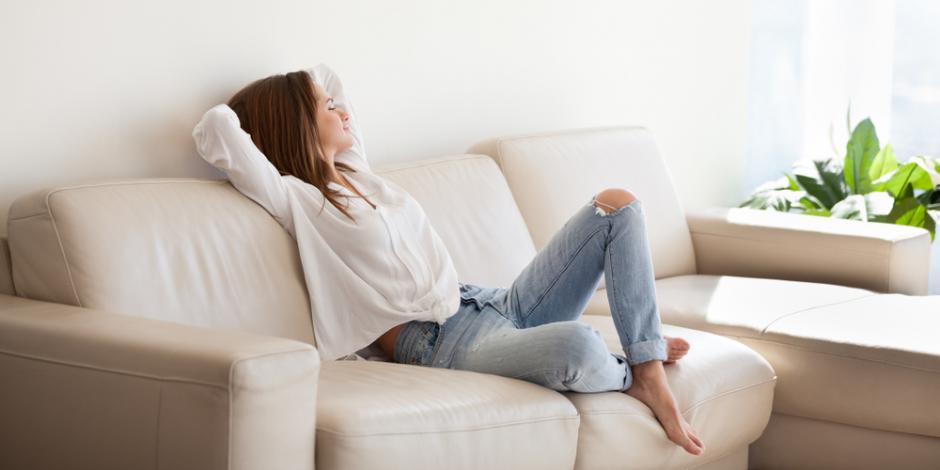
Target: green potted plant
column 866, row 184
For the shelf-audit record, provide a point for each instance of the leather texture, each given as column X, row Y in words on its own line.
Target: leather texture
column 97, row 390
column 552, row 174
column 874, row 363
column 469, row 203
column 374, row 414
column 724, row 390
column 875, row 256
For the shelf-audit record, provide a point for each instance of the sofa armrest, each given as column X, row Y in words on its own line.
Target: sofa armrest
column 756, row 243
column 87, row 389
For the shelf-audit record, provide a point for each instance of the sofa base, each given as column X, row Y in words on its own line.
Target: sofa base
column 796, row 442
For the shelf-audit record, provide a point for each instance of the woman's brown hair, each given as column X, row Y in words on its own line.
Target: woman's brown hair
column 279, row 113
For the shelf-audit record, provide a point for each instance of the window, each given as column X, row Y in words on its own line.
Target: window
column 811, row 60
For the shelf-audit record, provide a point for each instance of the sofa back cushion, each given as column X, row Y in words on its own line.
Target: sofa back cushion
column 553, row 174
column 470, row 206
column 192, row 251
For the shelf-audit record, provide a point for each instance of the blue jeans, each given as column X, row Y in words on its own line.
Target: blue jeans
column 530, row 331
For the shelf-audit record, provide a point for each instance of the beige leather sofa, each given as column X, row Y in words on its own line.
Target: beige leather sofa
column 163, row 323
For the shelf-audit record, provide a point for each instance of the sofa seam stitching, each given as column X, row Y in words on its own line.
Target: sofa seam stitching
column 844, row 250
column 691, row 407
column 137, row 374
column 576, row 417
column 730, row 392
column 892, row 237
column 840, row 302
column 120, row 183
column 65, row 258
column 801, row 348
column 851, row 425
column 710, row 462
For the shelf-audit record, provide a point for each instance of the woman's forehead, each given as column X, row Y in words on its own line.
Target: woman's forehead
column 321, row 92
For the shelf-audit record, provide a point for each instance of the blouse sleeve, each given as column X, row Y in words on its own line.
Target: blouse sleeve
column 222, row 142
column 355, row 156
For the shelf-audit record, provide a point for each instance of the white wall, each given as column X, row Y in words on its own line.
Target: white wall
column 107, row 88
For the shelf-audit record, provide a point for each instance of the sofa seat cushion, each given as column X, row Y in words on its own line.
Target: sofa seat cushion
column 733, row 305
column 374, row 414
column 724, row 390
column 873, row 362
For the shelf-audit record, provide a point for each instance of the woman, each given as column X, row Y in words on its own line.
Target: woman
column 382, row 283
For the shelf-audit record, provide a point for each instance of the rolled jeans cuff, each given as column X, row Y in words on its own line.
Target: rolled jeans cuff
column 644, row 351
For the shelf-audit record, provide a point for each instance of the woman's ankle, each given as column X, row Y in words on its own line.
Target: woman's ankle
column 649, row 370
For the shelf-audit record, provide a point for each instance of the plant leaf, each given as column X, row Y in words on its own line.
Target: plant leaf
column 879, row 204
column 909, row 211
column 874, row 206
column 929, row 168
column 885, row 162
column 852, row 207
column 793, row 185
column 821, row 180
column 860, row 152
column 916, row 173
column 931, row 225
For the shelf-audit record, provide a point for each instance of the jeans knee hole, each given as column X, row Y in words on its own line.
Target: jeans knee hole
column 612, row 210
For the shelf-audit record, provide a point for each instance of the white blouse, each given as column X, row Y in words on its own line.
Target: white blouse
column 363, row 278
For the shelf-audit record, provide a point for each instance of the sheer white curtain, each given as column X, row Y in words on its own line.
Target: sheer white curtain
column 848, row 53
column 812, row 59
column 809, row 61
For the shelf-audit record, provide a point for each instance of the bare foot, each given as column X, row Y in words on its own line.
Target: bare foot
column 650, row 387
column 675, row 348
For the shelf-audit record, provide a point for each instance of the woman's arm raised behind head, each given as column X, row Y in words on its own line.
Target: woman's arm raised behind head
column 221, row 141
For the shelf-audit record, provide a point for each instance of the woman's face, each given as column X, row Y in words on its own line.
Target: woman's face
column 332, row 124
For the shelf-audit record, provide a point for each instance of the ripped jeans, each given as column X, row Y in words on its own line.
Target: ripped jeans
column 529, row 331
